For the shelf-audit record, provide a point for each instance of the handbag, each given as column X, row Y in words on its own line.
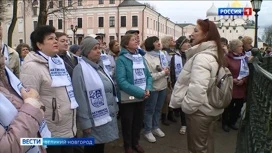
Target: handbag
column 126, row 98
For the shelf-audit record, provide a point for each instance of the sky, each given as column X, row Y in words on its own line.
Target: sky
column 182, row 11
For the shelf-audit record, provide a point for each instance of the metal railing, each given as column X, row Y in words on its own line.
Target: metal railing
column 255, row 134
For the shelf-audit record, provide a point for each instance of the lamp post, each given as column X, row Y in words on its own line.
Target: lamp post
column 256, row 5
column 74, row 29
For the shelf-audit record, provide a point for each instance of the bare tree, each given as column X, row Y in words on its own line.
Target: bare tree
column 150, row 6
column 267, row 37
column 46, row 9
column 13, row 22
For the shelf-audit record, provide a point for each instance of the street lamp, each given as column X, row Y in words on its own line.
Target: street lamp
column 256, row 4
column 74, row 31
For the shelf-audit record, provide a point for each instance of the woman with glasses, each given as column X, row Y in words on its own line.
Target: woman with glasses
column 190, row 91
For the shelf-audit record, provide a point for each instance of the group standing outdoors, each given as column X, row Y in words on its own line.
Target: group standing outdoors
column 81, row 91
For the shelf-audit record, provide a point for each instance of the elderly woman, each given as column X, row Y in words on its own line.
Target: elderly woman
column 20, row 112
column 190, row 91
column 237, row 64
column 247, row 45
column 113, row 54
column 176, row 65
column 53, row 83
column 22, row 49
column 95, row 91
column 134, row 79
column 168, row 46
column 159, row 70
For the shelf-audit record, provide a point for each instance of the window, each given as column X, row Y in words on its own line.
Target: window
column 154, row 24
column 79, row 2
column 21, row 41
column 236, row 31
column 134, row 21
column 123, row 21
column 223, row 31
column 35, row 23
column 230, row 31
column 101, row 22
column 112, row 21
column 147, row 22
column 51, row 23
column 101, row 2
column 112, row 1
column 51, row 4
column 60, row 3
column 112, row 38
column 79, row 22
column 59, row 23
column 35, row 11
column 69, row 3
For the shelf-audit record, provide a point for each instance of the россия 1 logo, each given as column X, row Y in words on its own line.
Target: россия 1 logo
column 235, row 11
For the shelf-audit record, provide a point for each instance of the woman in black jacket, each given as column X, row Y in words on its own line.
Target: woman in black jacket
column 177, row 62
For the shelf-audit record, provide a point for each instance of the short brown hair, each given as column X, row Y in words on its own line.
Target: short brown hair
column 111, row 44
column 60, row 34
column 19, row 48
column 125, row 40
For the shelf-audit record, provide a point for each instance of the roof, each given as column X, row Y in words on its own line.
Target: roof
column 212, row 11
column 184, row 24
column 130, row 3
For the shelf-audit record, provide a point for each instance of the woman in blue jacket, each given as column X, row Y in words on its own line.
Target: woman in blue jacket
column 134, row 79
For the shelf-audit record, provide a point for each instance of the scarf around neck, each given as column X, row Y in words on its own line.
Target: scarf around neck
column 138, row 70
column 244, row 70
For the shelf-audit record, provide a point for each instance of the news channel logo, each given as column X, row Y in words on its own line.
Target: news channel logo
column 235, row 11
column 57, row 141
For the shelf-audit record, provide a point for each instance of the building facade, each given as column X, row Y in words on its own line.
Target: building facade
column 107, row 18
column 233, row 27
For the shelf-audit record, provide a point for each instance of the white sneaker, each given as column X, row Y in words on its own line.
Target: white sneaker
column 182, row 130
column 150, row 137
column 158, row 132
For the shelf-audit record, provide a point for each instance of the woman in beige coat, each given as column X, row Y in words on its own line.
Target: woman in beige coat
column 190, row 91
column 41, row 70
column 20, row 116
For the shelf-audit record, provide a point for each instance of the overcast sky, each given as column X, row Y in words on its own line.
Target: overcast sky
column 189, row 11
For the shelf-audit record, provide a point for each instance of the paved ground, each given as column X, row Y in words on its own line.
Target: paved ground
column 173, row 142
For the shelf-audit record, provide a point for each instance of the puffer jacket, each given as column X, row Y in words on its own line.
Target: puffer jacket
column 158, row 77
column 35, row 74
column 198, row 74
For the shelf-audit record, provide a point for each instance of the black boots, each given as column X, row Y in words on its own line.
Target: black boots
column 164, row 120
column 171, row 116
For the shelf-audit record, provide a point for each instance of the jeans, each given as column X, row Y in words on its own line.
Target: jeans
column 153, row 108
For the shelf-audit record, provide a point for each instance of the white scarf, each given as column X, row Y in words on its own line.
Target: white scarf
column 6, row 107
column 244, row 70
column 248, row 53
column 5, row 52
column 162, row 56
column 96, row 94
column 178, row 64
column 138, row 70
column 106, row 62
column 60, row 77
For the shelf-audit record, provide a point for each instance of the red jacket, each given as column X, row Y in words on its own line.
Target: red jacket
column 234, row 67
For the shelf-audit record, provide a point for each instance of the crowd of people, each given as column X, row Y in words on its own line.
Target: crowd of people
column 83, row 90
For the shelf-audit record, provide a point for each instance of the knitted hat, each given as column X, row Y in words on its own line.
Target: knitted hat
column 74, row 48
column 87, row 44
column 181, row 40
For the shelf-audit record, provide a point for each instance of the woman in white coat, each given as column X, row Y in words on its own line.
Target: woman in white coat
column 190, row 92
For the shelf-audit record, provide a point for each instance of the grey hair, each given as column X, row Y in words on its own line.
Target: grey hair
column 166, row 41
column 234, row 44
